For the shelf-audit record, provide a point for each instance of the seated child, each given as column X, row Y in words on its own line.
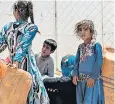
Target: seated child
column 44, row 61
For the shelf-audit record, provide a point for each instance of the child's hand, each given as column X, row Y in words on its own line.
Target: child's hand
column 75, row 79
column 15, row 64
column 90, row 82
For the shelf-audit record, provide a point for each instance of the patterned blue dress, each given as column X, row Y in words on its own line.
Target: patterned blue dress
column 18, row 36
column 88, row 64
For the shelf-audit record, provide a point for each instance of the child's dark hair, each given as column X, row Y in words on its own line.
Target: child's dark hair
column 25, row 9
column 51, row 43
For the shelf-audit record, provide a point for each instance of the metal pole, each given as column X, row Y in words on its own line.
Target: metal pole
column 102, row 22
column 55, row 31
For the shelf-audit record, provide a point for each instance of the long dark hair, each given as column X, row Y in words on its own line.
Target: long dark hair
column 25, row 9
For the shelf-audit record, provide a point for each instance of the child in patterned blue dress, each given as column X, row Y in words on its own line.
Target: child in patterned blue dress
column 18, row 37
column 88, row 63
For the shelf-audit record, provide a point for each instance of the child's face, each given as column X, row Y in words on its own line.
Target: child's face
column 84, row 33
column 16, row 14
column 46, row 50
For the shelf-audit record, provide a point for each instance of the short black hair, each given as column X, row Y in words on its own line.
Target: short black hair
column 51, row 43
